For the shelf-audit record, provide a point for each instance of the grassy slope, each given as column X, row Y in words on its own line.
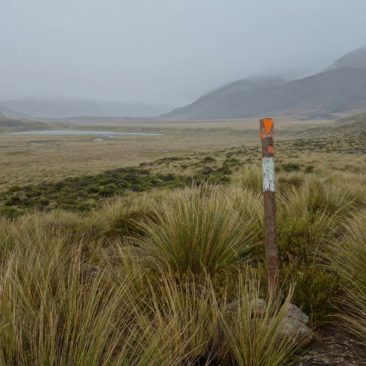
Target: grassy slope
column 14, row 124
column 353, row 126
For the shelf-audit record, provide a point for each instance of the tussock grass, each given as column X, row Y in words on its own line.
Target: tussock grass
column 58, row 309
column 258, row 339
column 250, row 177
column 147, row 279
column 54, row 311
column 310, row 218
column 347, row 259
column 197, row 230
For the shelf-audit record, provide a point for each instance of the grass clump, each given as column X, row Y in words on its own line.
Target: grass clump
column 55, row 311
column 258, row 338
column 308, row 221
column 197, row 230
column 347, row 259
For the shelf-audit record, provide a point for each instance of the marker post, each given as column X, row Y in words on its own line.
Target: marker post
column 269, row 189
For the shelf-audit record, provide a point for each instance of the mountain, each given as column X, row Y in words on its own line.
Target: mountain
column 338, row 90
column 355, row 59
column 5, row 111
column 15, row 124
column 63, row 108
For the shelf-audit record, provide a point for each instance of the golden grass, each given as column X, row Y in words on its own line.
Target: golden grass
column 347, row 258
column 32, row 159
column 258, row 340
column 148, row 278
column 199, row 229
column 59, row 307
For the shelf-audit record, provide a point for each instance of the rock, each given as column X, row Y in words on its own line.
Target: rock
column 296, row 313
column 295, row 324
column 298, row 331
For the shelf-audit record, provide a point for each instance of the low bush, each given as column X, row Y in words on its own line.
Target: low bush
column 291, row 167
column 84, row 193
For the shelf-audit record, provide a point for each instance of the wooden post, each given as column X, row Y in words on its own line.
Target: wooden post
column 266, row 135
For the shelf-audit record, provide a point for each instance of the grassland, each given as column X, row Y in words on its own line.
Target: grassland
column 35, row 159
column 139, row 264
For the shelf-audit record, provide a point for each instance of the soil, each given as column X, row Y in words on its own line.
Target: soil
column 332, row 347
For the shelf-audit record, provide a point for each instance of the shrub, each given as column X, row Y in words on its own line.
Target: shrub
column 316, row 289
column 291, row 167
column 309, row 169
column 208, row 160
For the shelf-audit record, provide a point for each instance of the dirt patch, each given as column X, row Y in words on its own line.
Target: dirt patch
column 333, row 347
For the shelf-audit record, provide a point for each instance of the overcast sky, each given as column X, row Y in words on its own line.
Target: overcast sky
column 166, row 51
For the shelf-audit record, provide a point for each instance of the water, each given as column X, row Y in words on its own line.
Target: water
column 83, row 133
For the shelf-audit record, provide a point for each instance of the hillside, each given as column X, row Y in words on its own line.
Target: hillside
column 355, row 59
column 353, row 126
column 340, row 89
column 14, row 124
column 5, row 111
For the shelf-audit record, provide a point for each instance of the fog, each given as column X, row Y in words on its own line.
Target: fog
column 166, row 52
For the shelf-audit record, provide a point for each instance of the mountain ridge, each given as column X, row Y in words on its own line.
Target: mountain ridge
column 338, row 90
column 328, row 93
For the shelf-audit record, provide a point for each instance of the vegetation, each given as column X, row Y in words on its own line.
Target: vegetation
column 200, row 230
column 163, row 264
column 82, row 193
column 347, row 259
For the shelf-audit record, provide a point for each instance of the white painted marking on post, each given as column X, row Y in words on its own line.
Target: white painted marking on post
column 268, row 175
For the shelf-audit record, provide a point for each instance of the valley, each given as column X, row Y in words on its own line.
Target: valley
column 33, row 158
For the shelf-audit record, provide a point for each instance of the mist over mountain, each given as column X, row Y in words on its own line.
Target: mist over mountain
column 63, row 108
column 355, row 59
column 5, row 111
column 339, row 90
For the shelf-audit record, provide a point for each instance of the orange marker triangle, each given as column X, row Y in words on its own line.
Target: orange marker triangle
column 268, row 125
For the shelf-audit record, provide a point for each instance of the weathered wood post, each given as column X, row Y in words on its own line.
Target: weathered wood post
column 266, row 135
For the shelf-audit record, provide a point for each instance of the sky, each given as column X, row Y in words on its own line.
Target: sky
column 166, row 52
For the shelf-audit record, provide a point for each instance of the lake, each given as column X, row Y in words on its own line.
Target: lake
column 83, row 133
